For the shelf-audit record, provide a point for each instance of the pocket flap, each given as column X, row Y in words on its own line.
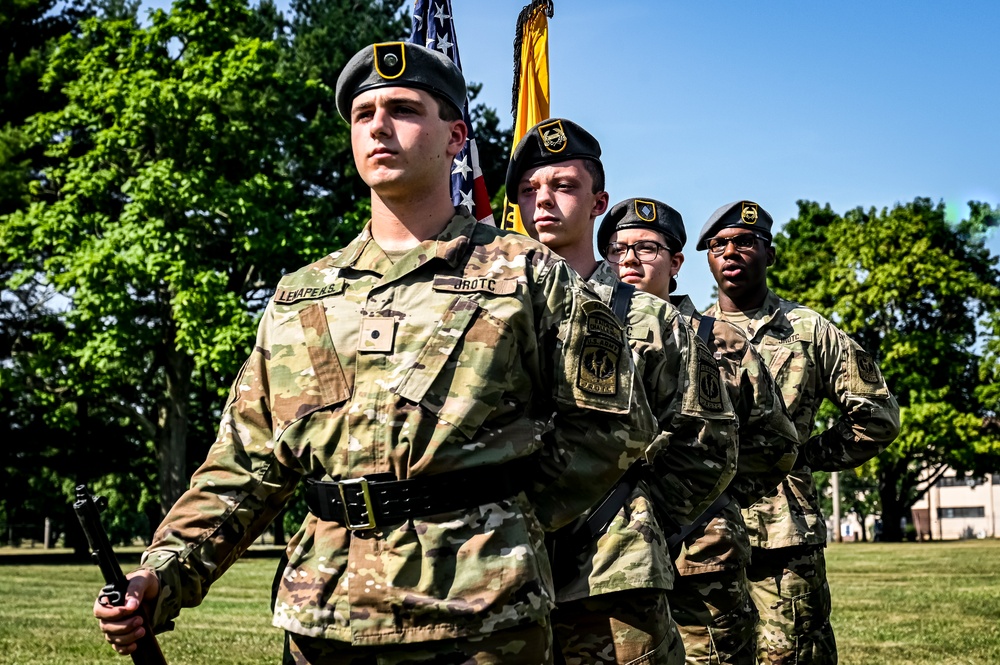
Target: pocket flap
column 442, row 342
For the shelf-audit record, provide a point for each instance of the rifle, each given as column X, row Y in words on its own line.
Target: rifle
column 88, row 510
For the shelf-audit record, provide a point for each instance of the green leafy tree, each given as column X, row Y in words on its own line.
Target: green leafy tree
column 494, row 146
column 29, row 30
column 189, row 164
column 170, row 202
column 921, row 295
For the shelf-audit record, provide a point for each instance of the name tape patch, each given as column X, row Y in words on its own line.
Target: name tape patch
column 289, row 296
column 455, row 284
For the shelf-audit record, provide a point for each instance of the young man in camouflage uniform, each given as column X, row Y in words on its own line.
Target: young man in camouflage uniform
column 809, row 358
column 410, row 379
column 612, row 605
column 643, row 240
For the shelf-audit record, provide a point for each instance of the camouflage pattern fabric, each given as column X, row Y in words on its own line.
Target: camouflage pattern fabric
column 716, row 617
column 618, row 628
column 694, row 454
column 524, row 645
column 790, row 590
column 455, row 356
column 810, row 359
column 694, row 459
column 632, row 553
column 768, row 441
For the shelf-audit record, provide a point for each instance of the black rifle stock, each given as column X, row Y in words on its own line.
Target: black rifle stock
column 88, row 510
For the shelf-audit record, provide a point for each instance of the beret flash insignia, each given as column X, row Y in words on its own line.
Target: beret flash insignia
column 749, row 213
column 645, row 210
column 553, row 136
column 390, row 60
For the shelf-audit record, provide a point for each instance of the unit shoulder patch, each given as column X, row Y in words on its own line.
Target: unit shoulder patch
column 600, row 354
column 867, row 370
column 709, row 382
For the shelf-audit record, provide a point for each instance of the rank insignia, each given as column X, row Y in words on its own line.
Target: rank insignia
column 553, row 136
column 867, row 370
column 749, row 213
column 645, row 210
column 390, row 60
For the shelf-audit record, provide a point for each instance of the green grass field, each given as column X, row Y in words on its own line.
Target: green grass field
column 912, row 604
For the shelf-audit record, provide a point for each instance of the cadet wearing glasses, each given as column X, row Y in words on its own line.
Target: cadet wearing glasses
column 643, row 239
column 809, row 358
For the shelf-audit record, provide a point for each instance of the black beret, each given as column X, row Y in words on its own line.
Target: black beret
column 399, row 64
column 549, row 142
column 643, row 214
column 741, row 214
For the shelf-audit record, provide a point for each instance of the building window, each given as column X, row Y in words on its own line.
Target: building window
column 945, row 513
column 962, row 481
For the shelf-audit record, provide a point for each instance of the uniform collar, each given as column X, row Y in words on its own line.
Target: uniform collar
column 605, row 275
column 762, row 319
column 449, row 245
column 685, row 306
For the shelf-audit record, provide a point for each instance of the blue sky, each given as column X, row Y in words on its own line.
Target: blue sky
column 702, row 103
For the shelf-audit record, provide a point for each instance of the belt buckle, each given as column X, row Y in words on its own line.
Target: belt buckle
column 363, row 483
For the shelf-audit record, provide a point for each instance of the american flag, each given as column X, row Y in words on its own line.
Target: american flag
column 433, row 27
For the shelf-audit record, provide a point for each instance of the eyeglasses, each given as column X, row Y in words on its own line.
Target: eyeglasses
column 743, row 242
column 644, row 250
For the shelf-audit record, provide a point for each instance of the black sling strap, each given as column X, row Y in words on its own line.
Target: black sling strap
column 570, row 541
column 705, row 327
column 621, row 300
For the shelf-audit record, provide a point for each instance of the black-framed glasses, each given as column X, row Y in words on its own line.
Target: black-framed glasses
column 644, row 250
column 742, row 242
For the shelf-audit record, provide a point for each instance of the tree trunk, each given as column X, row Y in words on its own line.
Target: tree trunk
column 172, row 445
column 279, row 529
column 893, row 510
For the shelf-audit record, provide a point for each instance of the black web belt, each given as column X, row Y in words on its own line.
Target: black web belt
column 377, row 500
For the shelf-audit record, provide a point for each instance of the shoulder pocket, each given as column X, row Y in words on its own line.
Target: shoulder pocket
column 595, row 366
column 705, row 396
column 864, row 375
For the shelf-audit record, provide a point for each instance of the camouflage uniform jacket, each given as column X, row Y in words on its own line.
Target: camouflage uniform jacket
column 810, row 358
column 693, row 456
column 767, row 443
column 456, row 356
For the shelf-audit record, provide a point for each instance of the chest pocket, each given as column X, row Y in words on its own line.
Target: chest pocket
column 305, row 372
column 789, row 363
column 461, row 373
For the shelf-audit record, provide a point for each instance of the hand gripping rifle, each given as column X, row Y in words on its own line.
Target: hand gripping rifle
column 88, row 510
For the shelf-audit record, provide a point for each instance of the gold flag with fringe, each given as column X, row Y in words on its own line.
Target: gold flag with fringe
column 531, row 83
